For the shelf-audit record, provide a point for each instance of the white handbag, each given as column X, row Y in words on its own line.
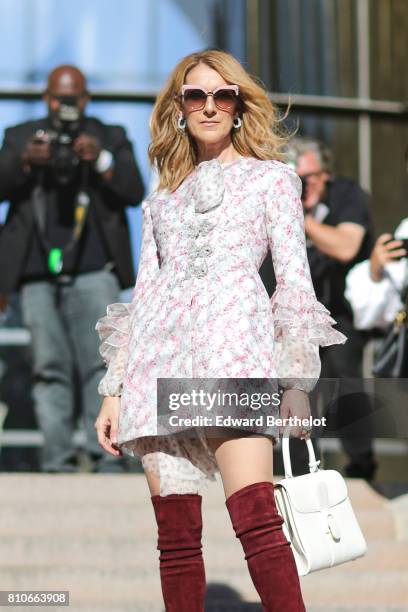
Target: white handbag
column 318, row 518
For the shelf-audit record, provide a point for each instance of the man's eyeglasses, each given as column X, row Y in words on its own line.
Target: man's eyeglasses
column 312, row 175
column 195, row 98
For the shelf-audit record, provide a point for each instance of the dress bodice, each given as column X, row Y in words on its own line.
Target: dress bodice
column 203, row 245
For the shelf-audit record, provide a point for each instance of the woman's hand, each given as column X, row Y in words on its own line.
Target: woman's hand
column 295, row 402
column 384, row 250
column 107, row 425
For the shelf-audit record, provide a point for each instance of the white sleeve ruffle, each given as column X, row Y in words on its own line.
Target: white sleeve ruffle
column 114, row 327
column 113, row 330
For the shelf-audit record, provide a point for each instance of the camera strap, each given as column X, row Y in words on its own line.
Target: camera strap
column 55, row 255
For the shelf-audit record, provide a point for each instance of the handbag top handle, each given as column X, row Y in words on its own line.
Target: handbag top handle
column 313, row 464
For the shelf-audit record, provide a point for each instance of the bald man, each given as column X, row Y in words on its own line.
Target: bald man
column 66, row 246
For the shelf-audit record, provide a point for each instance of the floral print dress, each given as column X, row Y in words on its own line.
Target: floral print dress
column 200, row 310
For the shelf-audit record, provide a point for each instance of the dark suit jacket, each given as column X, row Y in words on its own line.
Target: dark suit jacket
column 108, row 199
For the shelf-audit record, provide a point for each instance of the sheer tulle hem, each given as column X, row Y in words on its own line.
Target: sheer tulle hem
column 298, row 313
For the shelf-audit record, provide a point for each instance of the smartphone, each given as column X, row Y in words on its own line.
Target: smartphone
column 404, row 245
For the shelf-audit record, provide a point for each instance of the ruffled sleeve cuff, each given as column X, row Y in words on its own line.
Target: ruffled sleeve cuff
column 297, row 312
column 113, row 330
column 302, row 324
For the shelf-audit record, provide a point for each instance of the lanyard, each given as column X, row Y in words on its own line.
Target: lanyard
column 55, row 255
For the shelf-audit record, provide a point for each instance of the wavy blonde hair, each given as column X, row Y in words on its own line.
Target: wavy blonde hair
column 174, row 152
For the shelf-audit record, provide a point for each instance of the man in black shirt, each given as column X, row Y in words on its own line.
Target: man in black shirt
column 338, row 229
column 66, row 246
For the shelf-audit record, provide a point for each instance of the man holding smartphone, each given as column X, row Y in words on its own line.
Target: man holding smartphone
column 375, row 286
column 65, row 246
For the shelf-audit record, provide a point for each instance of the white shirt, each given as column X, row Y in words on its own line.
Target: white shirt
column 375, row 304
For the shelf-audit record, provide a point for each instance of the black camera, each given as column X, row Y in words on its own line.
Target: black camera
column 66, row 127
column 66, row 121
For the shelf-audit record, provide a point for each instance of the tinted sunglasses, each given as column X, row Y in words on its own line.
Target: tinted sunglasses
column 195, row 98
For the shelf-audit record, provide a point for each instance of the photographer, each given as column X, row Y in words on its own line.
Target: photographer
column 338, row 228
column 65, row 245
column 377, row 287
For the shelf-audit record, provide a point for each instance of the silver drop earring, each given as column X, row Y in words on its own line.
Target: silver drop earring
column 181, row 122
column 237, row 122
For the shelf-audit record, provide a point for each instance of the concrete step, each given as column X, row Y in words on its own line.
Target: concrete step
column 399, row 509
column 89, row 519
column 335, row 608
column 218, row 607
column 68, row 488
column 253, row 607
column 130, row 489
column 363, row 496
column 104, row 550
column 95, row 535
column 323, row 588
column 358, row 588
column 76, row 518
column 85, row 584
column 229, row 606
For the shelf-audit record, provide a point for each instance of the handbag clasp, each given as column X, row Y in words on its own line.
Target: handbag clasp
column 333, row 528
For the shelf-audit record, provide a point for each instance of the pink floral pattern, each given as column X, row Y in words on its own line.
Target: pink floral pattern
column 199, row 307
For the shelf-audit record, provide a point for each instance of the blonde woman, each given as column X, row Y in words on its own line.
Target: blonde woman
column 199, row 310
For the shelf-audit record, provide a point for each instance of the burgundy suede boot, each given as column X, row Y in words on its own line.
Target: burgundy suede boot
column 182, row 570
column 270, row 559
